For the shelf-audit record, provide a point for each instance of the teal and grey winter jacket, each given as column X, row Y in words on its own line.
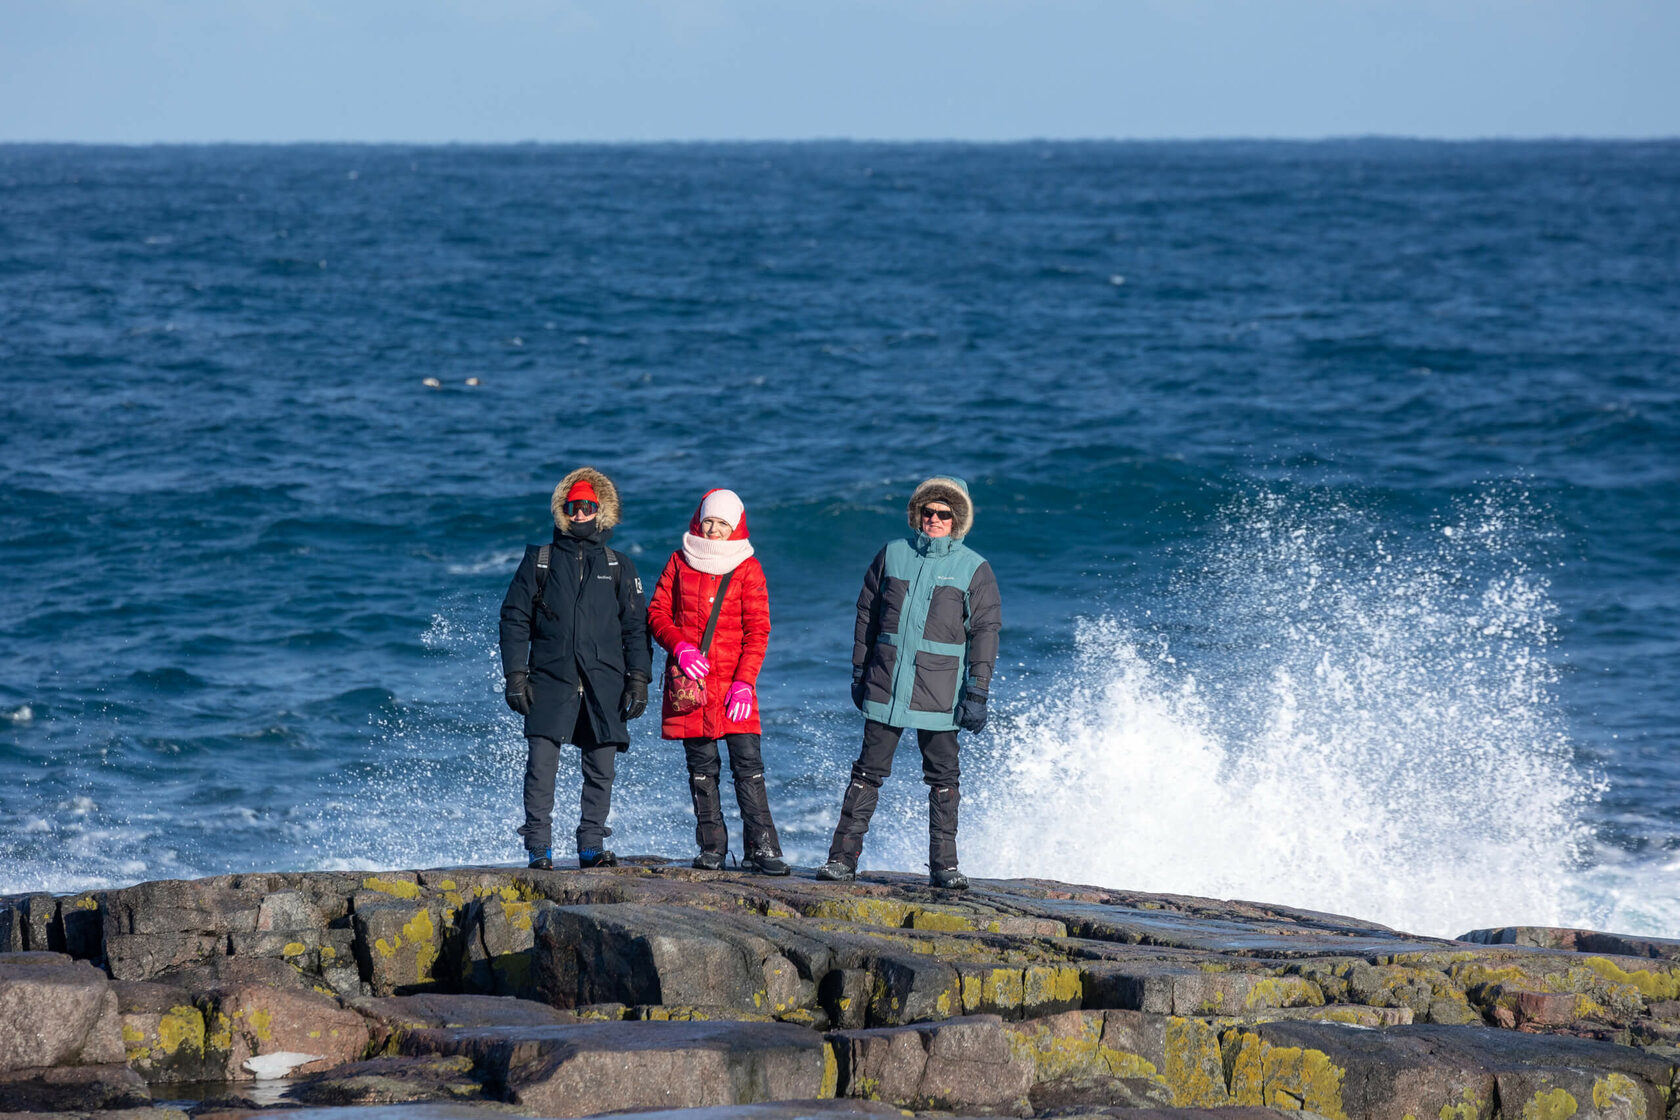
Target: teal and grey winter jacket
column 927, row 620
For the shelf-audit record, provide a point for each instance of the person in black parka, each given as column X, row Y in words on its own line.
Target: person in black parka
column 577, row 661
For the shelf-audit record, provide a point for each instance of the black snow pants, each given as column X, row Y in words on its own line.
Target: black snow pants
column 542, row 766
column 941, row 772
column 746, row 767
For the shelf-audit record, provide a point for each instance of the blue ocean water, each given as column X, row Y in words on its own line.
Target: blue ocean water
column 1333, row 491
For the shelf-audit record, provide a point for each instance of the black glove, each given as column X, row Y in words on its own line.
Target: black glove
column 857, row 689
column 971, row 713
column 634, row 701
column 517, row 692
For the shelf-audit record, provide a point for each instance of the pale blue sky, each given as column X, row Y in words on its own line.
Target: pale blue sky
column 511, row 70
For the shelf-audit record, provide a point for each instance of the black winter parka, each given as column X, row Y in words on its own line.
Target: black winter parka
column 585, row 639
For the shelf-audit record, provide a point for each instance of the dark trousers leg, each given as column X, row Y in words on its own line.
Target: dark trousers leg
column 873, row 764
column 746, row 766
column 942, row 773
column 710, row 832
column 542, row 761
column 596, row 797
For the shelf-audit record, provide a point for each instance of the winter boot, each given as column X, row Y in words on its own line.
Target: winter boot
column 836, row 871
column 948, row 878
column 767, row 863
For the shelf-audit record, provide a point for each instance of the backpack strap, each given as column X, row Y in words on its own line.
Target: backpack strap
column 617, row 568
column 543, row 555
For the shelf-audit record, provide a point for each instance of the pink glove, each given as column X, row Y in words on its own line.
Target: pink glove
column 691, row 661
column 738, row 701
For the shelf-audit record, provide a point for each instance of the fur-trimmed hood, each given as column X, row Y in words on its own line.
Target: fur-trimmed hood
column 605, row 491
column 948, row 489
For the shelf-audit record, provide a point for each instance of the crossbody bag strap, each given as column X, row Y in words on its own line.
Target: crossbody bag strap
column 717, row 606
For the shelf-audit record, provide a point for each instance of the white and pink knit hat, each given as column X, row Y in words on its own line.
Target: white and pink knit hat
column 726, row 505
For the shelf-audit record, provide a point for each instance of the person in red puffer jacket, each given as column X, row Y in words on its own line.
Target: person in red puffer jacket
column 725, row 671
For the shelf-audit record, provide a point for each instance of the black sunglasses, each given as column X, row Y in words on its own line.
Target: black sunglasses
column 941, row 514
column 582, row 505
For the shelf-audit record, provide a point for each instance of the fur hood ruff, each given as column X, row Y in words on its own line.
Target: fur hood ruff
column 948, row 489
column 604, row 490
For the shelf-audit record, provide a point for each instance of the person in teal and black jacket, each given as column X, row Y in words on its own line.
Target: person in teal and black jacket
column 922, row 656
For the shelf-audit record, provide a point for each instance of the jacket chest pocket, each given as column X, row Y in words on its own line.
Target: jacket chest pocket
column 945, row 616
column 935, row 687
column 893, row 593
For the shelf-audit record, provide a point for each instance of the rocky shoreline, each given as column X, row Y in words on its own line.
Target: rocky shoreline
column 488, row 991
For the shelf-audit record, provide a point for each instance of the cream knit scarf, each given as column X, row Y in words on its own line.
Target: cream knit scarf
column 714, row 557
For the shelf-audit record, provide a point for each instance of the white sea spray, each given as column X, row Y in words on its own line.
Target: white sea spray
column 1355, row 725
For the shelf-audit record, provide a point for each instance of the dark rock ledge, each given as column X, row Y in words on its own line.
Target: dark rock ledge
column 484, row 991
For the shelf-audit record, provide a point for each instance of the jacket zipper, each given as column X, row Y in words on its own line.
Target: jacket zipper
column 577, row 605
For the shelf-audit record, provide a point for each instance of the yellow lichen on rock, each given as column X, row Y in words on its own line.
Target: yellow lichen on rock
column 1618, row 1095
column 998, row 989
column 518, row 914
column 1047, row 984
column 831, row 1073
column 1194, row 1065
column 1284, row 991
column 1651, row 985
column 1554, row 1104
column 219, row 1033
column 1286, row 1077
column 397, row 888
column 1469, row 1107
column 864, row 911
column 1058, row 1049
column 1473, row 974
column 940, row 921
column 420, row 933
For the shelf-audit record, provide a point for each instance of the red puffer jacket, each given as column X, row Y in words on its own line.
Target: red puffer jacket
column 681, row 604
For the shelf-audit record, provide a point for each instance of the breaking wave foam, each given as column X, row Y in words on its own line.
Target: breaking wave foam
column 1329, row 717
